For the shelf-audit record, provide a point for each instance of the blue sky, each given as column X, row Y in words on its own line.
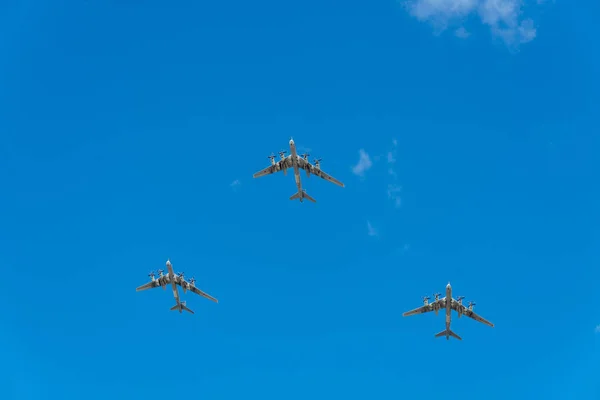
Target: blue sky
column 124, row 126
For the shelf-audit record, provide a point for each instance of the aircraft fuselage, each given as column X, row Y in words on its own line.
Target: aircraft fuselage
column 448, row 306
column 174, row 285
column 294, row 157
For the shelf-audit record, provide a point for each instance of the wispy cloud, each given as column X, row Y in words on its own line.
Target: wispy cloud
column 462, row 33
column 391, row 158
column 393, row 189
column 503, row 17
column 394, row 194
column 364, row 163
column 597, row 330
column 235, row 184
column 370, row 230
column 303, row 149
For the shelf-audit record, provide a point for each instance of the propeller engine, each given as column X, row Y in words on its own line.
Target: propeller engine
column 426, row 300
column 160, row 272
column 317, row 162
column 151, row 275
column 307, row 168
column 192, row 281
column 272, row 158
column 436, row 305
column 471, row 305
column 282, row 166
column 459, row 310
column 181, row 275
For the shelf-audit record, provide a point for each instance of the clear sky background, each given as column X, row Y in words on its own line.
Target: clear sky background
column 130, row 132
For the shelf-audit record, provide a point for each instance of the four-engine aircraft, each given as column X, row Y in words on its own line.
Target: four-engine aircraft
column 448, row 303
column 174, row 279
column 297, row 162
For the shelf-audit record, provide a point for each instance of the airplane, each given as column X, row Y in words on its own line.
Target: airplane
column 174, row 279
column 449, row 304
column 297, row 162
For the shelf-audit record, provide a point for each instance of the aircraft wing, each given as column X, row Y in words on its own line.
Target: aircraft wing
column 149, row 285
column 278, row 166
column 478, row 318
column 319, row 172
column 203, row 294
column 196, row 290
column 425, row 309
column 471, row 314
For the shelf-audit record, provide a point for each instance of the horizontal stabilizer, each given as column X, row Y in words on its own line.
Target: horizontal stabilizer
column 307, row 197
column 448, row 333
column 181, row 306
column 302, row 195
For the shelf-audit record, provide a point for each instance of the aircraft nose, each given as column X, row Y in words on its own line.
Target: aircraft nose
column 448, row 285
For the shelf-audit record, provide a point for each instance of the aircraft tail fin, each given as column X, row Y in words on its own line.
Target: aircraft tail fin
column 181, row 307
column 448, row 333
column 302, row 195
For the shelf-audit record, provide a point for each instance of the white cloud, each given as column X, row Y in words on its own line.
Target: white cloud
column 370, row 230
column 597, row 330
column 503, row 17
column 394, row 194
column 302, row 149
column 393, row 189
column 391, row 158
column 462, row 33
column 235, row 184
column 364, row 163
